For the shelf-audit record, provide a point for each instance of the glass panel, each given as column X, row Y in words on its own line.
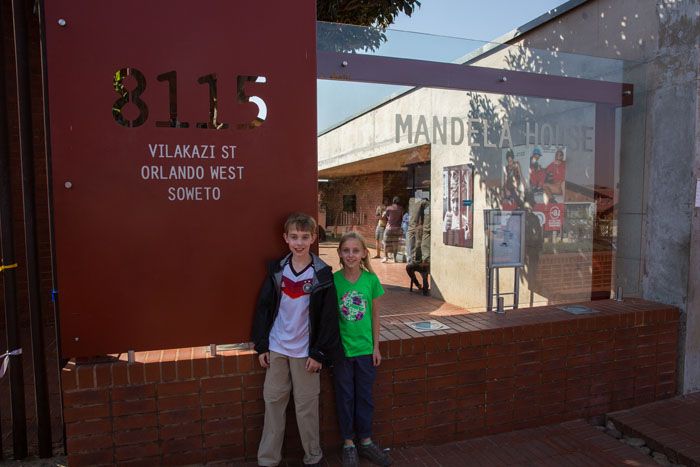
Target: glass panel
column 443, row 49
column 350, row 100
column 353, row 98
column 393, row 43
column 574, row 168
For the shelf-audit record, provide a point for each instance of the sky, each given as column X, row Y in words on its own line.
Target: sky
column 441, row 30
column 473, row 19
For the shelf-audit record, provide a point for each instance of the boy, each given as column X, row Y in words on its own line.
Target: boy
column 295, row 332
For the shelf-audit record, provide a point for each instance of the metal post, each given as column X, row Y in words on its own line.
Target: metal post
column 19, row 422
column 618, row 294
column 49, row 185
column 516, row 288
column 131, row 356
column 212, row 350
column 489, row 289
column 500, row 308
column 604, row 189
column 498, row 283
column 24, row 109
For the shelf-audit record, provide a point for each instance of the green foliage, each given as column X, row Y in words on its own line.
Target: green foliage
column 373, row 17
column 378, row 13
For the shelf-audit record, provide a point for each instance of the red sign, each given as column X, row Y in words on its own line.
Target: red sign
column 553, row 215
column 182, row 135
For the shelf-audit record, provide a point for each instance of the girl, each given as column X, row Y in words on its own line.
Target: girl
column 358, row 289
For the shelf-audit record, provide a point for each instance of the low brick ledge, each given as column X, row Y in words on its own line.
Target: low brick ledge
column 487, row 374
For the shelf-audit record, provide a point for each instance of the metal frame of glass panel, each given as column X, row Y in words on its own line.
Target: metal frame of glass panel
column 606, row 95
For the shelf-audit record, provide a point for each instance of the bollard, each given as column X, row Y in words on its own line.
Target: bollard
column 618, row 294
column 131, row 356
column 212, row 350
column 500, row 309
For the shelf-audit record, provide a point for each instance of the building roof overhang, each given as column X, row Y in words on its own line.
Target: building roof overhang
column 389, row 162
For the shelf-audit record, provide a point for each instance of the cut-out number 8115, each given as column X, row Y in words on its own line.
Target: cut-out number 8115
column 133, row 96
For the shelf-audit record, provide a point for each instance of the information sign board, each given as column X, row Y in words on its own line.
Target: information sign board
column 506, row 245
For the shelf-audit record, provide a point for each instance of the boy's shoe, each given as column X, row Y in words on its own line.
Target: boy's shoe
column 374, row 453
column 350, row 458
column 385, row 260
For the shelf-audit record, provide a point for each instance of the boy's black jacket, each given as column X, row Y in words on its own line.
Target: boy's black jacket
column 324, row 335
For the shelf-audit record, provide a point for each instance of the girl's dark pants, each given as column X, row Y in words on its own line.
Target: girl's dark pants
column 354, row 378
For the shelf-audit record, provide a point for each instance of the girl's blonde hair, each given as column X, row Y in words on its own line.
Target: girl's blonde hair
column 364, row 264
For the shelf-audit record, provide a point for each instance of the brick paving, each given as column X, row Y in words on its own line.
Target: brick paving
column 397, row 301
column 671, row 427
column 392, row 274
column 574, row 443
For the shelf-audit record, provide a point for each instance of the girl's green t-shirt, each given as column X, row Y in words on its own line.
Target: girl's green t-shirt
column 355, row 311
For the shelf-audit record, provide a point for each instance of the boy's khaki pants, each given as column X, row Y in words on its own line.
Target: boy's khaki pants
column 284, row 374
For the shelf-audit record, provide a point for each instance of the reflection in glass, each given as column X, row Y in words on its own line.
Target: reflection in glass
column 557, row 160
column 213, row 122
column 127, row 96
column 173, row 122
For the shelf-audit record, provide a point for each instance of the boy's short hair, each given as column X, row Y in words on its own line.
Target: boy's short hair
column 302, row 222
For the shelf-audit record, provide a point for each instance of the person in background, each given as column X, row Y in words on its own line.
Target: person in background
column 404, row 235
column 381, row 226
column 554, row 176
column 393, row 216
column 512, row 179
column 536, row 176
column 404, row 224
column 419, row 261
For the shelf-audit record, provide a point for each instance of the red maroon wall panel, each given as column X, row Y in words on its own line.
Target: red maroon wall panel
column 182, row 134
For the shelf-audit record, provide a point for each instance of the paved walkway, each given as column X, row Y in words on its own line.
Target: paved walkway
column 573, row 443
column 671, row 427
column 397, row 301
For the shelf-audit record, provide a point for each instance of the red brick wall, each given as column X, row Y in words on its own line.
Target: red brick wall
column 395, row 184
column 487, row 374
column 567, row 277
column 48, row 315
column 370, row 190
